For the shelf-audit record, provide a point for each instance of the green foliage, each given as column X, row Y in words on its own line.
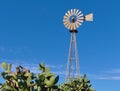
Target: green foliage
column 79, row 84
column 6, row 67
column 23, row 80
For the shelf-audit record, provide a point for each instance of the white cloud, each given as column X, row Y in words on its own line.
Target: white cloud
column 113, row 71
column 55, row 66
column 113, row 74
column 109, row 77
column 59, row 72
column 34, row 67
column 103, row 77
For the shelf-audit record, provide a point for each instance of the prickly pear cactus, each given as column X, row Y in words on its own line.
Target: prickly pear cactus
column 80, row 84
column 23, row 80
column 6, row 67
column 48, row 80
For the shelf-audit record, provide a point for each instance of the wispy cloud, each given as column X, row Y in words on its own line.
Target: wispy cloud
column 109, row 78
column 113, row 71
column 55, row 66
column 60, row 72
column 57, row 69
column 113, row 74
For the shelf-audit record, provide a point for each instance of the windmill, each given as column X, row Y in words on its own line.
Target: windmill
column 72, row 20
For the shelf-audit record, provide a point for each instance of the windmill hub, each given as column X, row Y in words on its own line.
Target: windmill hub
column 73, row 19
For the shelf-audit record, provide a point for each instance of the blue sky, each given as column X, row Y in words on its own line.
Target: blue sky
column 32, row 31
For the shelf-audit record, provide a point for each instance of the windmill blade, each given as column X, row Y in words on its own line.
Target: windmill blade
column 72, row 13
column 77, row 24
column 89, row 17
column 65, row 17
column 77, row 11
column 66, row 14
column 80, row 24
column 69, row 13
column 73, row 27
column 80, row 20
column 69, row 26
column 65, row 22
column 80, row 15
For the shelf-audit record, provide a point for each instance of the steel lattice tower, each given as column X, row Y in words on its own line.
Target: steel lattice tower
column 73, row 61
column 72, row 20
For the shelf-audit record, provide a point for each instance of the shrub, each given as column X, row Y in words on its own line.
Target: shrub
column 24, row 80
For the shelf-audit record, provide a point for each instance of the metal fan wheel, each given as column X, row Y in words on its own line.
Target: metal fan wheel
column 73, row 19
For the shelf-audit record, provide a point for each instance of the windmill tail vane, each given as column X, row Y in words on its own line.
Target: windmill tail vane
column 89, row 17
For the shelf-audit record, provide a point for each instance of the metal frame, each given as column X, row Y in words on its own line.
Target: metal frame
column 72, row 71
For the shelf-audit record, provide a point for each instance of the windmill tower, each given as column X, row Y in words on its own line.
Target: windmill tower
column 72, row 20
